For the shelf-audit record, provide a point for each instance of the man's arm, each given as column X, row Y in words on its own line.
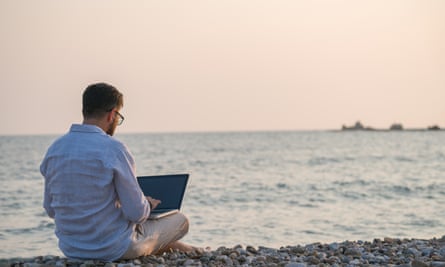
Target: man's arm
column 46, row 193
column 134, row 204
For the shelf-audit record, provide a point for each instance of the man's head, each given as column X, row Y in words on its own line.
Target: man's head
column 101, row 102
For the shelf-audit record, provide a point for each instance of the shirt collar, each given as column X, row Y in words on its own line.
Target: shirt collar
column 86, row 128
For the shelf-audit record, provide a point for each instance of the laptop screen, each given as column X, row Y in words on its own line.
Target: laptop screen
column 167, row 188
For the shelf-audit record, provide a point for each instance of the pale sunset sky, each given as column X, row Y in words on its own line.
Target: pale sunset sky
column 226, row 65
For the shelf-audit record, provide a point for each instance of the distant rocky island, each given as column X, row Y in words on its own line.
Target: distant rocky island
column 358, row 126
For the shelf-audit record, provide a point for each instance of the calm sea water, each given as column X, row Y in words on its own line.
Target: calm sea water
column 258, row 188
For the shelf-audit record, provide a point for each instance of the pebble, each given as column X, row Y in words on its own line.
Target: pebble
column 386, row 252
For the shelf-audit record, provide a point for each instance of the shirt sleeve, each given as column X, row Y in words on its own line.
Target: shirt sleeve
column 46, row 194
column 134, row 205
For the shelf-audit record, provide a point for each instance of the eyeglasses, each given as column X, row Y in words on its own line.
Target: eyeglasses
column 121, row 118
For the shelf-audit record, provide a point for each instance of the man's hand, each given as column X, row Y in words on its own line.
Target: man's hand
column 153, row 202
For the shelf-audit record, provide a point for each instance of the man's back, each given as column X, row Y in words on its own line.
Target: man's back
column 82, row 171
column 92, row 193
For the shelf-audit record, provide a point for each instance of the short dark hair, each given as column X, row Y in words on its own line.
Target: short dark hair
column 99, row 98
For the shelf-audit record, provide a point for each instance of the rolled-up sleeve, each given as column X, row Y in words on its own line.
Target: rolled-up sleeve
column 133, row 203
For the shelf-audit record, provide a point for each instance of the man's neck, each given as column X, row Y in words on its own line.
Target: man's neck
column 101, row 123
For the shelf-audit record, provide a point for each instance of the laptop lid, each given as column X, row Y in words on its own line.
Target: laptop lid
column 169, row 189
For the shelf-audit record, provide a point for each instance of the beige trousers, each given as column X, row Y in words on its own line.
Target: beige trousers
column 152, row 236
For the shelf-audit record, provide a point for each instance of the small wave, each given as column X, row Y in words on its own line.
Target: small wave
column 401, row 189
column 346, row 228
column 281, row 185
column 241, row 199
column 270, row 225
column 43, row 225
column 308, row 205
column 403, row 159
column 293, row 202
column 46, row 225
column 313, row 232
column 354, row 195
column 316, row 161
column 359, row 182
column 322, row 161
column 320, row 200
column 424, row 223
column 320, row 221
column 218, row 150
column 11, row 208
column 428, row 191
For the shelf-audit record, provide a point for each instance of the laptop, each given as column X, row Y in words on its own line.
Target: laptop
column 169, row 189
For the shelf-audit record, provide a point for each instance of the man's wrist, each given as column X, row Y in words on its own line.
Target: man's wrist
column 149, row 203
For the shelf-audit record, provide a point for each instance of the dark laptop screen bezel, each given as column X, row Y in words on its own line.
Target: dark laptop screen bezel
column 170, row 187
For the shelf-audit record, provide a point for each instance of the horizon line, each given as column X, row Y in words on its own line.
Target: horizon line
column 366, row 129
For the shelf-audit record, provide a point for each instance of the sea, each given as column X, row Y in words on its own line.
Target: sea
column 271, row 188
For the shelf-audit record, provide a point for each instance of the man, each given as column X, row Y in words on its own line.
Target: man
column 92, row 193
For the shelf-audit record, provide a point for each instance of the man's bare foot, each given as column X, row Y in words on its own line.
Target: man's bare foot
column 179, row 246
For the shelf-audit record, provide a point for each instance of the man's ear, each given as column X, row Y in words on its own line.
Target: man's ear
column 110, row 116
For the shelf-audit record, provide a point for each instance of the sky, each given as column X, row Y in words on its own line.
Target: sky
column 227, row 65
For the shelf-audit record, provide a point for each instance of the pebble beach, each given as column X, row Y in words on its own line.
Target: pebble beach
column 378, row 252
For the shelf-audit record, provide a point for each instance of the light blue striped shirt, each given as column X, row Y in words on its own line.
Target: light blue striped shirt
column 86, row 173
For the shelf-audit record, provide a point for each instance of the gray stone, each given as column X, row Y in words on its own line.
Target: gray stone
column 251, row 249
column 333, row 259
column 427, row 251
column 417, row 263
column 355, row 262
column 260, row 258
column 74, row 262
column 295, row 264
column 413, row 251
column 189, row 262
column 334, row 246
column 353, row 252
column 312, row 260
column 442, row 252
column 241, row 251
